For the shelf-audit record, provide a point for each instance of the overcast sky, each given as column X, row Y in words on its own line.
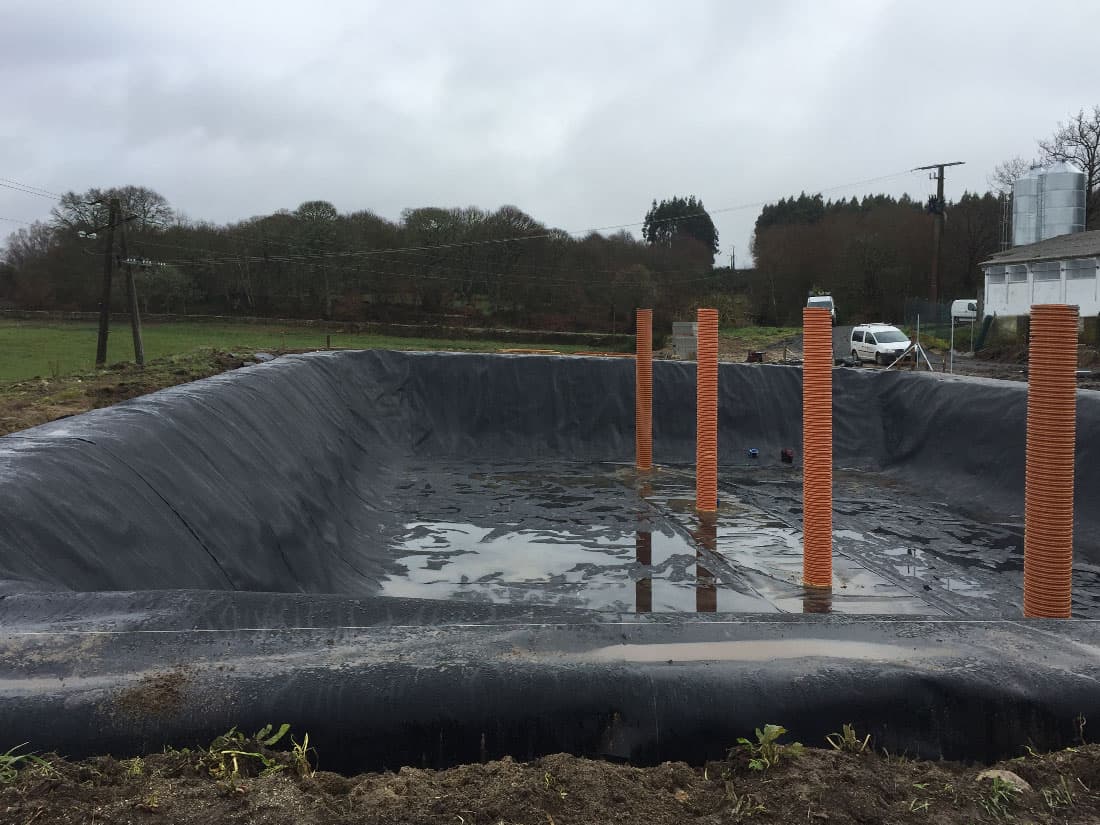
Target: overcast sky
column 580, row 113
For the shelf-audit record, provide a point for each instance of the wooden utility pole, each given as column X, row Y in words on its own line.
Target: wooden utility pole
column 937, row 226
column 131, row 298
column 105, row 298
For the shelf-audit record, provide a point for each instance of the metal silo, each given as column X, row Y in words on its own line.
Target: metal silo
column 1047, row 203
column 1061, row 201
column 1025, row 208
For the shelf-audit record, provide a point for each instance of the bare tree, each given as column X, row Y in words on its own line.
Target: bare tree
column 88, row 210
column 318, row 220
column 24, row 245
column 1078, row 141
column 1005, row 174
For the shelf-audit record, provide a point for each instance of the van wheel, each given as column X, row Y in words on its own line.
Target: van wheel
column 879, row 359
column 855, row 355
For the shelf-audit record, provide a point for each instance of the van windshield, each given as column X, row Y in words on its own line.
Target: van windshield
column 820, row 302
column 890, row 336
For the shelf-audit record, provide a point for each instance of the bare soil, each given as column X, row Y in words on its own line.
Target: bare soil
column 39, row 400
column 228, row 783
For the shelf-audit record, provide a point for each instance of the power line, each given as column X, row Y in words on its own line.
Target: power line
column 353, row 253
column 223, row 256
column 465, row 273
column 16, row 220
column 228, row 257
column 480, row 274
column 27, row 191
column 554, row 234
column 36, row 189
column 754, row 204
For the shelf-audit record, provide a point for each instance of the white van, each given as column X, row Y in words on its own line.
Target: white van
column 825, row 301
column 964, row 309
column 880, row 343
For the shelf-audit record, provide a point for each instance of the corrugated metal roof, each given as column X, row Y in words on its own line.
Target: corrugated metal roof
column 1075, row 245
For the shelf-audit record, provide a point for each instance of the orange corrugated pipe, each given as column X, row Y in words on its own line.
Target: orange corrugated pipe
column 1051, row 429
column 706, row 412
column 643, row 383
column 817, row 447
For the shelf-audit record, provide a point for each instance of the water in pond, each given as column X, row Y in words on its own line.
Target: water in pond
column 582, row 567
column 599, row 537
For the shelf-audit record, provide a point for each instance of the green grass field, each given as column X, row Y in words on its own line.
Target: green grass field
column 759, row 337
column 29, row 349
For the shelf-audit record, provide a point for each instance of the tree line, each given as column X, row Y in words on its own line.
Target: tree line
column 872, row 255
column 433, row 265
column 504, row 267
column 875, row 254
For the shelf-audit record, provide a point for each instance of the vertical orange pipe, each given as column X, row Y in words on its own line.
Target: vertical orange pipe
column 706, row 413
column 817, row 447
column 643, row 394
column 1051, row 430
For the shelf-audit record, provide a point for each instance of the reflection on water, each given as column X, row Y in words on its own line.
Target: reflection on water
column 643, row 587
column 706, row 539
column 602, row 538
column 583, row 566
column 915, row 563
column 817, row 600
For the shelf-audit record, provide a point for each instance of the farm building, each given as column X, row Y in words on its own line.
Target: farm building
column 1060, row 270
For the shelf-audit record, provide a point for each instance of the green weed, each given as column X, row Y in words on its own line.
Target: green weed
column 552, row 784
column 742, row 806
column 234, row 755
column 151, row 803
column 11, row 763
column 848, row 740
column 299, row 755
column 268, row 739
column 1060, row 796
column 767, row 751
column 1001, row 795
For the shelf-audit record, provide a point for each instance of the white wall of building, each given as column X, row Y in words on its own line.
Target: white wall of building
column 1012, row 289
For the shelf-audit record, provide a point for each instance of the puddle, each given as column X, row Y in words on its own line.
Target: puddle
column 762, row 651
column 851, row 535
column 916, row 563
column 600, row 537
column 583, row 567
column 766, row 554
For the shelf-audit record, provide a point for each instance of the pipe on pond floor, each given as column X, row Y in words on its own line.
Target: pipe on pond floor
column 817, row 447
column 1048, row 486
column 643, row 380
column 706, row 413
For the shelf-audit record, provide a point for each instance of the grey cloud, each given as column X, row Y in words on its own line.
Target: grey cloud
column 578, row 112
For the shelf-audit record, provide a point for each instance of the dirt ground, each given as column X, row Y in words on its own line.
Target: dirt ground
column 38, row 400
column 777, row 348
column 239, row 780
column 1007, row 363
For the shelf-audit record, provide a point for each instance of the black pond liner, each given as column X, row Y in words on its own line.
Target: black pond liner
column 219, row 554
